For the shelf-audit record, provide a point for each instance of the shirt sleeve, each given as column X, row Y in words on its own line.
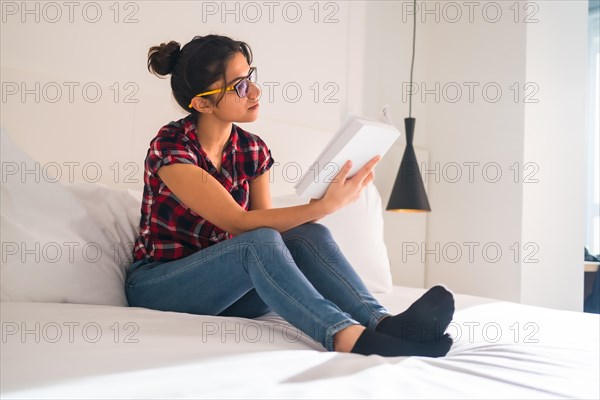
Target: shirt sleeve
column 264, row 158
column 168, row 150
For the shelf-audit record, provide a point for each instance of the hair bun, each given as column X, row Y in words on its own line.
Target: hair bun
column 162, row 59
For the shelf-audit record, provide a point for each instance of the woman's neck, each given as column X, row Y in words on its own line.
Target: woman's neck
column 212, row 133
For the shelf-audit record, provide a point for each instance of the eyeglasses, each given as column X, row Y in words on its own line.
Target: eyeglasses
column 241, row 88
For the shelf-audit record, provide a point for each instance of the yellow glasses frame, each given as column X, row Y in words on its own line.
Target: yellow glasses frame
column 227, row 89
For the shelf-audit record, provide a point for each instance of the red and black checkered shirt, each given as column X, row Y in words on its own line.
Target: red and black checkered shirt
column 169, row 230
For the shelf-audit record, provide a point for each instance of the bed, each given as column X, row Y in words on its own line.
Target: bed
column 67, row 331
column 502, row 350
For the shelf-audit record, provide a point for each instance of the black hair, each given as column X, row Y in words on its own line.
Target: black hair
column 196, row 66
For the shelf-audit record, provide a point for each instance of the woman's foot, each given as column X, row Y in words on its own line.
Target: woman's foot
column 345, row 339
column 424, row 321
column 372, row 342
column 360, row 340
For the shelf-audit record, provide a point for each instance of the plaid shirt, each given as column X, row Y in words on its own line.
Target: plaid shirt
column 169, row 230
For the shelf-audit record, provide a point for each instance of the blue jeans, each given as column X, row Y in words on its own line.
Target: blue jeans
column 300, row 274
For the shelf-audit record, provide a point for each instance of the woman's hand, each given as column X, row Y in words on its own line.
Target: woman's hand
column 343, row 190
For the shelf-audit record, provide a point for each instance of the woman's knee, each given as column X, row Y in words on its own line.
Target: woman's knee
column 310, row 231
column 263, row 235
column 262, row 244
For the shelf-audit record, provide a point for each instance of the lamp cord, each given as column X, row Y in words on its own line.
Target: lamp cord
column 412, row 65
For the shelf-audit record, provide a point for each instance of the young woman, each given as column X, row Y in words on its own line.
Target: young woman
column 210, row 242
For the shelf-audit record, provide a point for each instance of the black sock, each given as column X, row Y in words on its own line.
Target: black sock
column 372, row 342
column 425, row 320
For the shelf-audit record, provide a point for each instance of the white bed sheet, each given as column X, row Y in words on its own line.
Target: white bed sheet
column 503, row 350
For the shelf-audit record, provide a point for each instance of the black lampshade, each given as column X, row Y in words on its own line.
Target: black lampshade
column 408, row 193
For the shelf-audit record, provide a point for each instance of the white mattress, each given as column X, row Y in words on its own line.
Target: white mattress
column 504, row 350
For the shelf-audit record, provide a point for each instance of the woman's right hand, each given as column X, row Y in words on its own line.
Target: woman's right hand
column 343, row 190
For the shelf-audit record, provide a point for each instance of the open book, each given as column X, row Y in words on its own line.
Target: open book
column 358, row 139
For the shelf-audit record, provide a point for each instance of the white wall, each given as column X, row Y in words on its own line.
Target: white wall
column 301, row 51
column 554, row 136
column 533, row 211
column 476, row 216
column 387, row 66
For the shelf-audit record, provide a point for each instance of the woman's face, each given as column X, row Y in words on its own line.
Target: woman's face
column 232, row 108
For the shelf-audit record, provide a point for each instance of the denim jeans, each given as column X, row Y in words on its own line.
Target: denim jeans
column 300, row 274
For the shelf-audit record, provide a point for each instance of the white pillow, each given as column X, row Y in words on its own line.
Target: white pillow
column 62, row 243
column 358, row 231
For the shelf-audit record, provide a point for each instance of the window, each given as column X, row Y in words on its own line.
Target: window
column 593, row 127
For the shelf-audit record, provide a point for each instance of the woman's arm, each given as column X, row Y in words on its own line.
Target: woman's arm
column 208, row 198
column 260, row 192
